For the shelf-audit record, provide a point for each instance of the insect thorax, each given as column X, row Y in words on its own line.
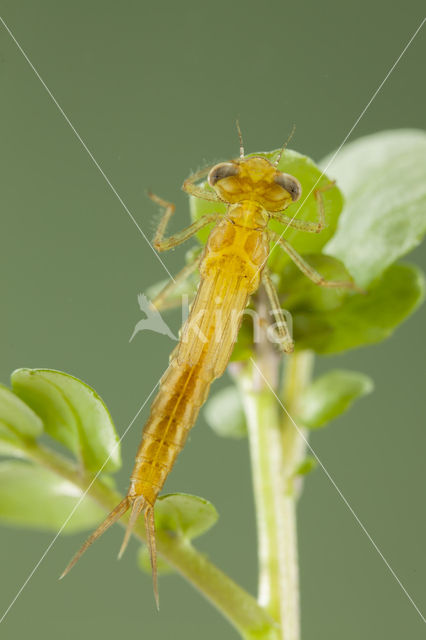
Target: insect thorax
column 238, row 244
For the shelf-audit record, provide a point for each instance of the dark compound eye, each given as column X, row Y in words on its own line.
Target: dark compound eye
column 290, row 184
column 220, row 171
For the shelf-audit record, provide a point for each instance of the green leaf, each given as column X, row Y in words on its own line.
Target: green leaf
column 72, row 413
column 334, row 320
column 224, row 413
column 331, row 395
column 301, row 297
column 305, row 170
column 383, row 177
column 16, row 417
column 185, row 515
column 297, row 292
column 144, row 563
column 180, row 514
column 362, row 319
column 307, row 465
column 35, row 497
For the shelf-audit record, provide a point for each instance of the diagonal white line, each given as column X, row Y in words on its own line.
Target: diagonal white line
column 361, row 115
column 302, row 435
column 86, row 148
column 75, row 508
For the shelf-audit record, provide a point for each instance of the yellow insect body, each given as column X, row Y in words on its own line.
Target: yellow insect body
column 231, row 270
column 202, row 354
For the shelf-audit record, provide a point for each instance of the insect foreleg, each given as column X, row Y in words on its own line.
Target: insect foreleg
column 164, row 244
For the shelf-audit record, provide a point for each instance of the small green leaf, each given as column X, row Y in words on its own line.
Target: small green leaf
column 362, row 318
column 297, row 292
column 72, row 413
column 224, row 413
column 183, row 514
column 306, row 466
column 144, row 562
column 180, row 514
column 383, row 177
column 35, row 497
column 305, row 170
column 331, row 395
column 16, row 417
column 49, row 403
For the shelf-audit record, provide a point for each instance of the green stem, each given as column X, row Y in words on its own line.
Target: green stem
column 261, row 411
column 296, row 377
column 276, row 450
column 238, row 606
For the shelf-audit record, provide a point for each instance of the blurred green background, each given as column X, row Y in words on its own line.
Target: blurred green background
column 154, row 90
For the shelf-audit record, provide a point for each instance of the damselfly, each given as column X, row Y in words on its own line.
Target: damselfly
column 232, row 267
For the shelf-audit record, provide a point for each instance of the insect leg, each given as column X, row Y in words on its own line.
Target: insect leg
column 306, row 268
column 303, row 225
column 190, row 186
column 286, row 342
column 164, row 244
column 164, row 300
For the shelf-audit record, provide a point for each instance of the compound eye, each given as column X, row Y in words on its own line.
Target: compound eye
column 220, row 171
column 290, row 184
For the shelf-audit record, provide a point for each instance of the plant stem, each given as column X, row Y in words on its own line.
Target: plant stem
column 261, row 411
column 296, row 377
column 238, row 606
column 276, row 448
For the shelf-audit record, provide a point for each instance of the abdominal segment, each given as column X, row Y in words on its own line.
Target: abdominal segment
column 174, row 411
column 230, row 272
column 202, row 355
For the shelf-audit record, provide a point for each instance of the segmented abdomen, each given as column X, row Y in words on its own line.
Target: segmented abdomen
column 203, row 352
column 183, row 390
